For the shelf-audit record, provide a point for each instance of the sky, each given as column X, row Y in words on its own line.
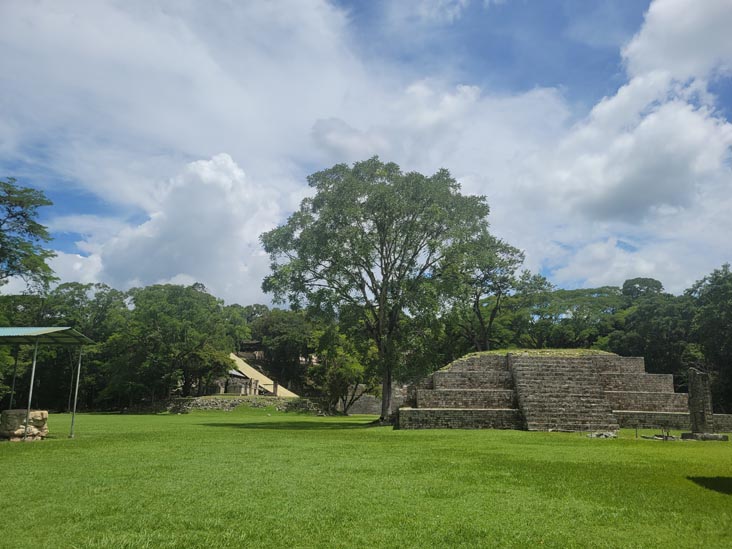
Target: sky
column 171, row 134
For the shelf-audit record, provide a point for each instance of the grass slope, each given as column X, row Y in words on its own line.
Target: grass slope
column 261, row 478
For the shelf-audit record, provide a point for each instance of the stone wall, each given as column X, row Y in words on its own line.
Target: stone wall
column 651, row 383
column 479, row 398
column 629, row 419
column 185, row 405
column 433, row 418
column 723, row 423
column 641, row 401
column 371, row 404
column 487, row 379
column 680, row 421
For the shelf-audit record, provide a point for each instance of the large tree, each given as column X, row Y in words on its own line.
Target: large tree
column 713, row 327
column 374, row 238
column 21, row 237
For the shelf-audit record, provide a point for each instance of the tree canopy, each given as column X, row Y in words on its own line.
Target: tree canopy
column 21, row 236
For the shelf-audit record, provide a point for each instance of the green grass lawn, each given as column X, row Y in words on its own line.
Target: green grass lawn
column 261, row 478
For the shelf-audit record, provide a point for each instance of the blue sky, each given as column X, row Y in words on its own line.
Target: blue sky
column 508, row 46
column 171, row 134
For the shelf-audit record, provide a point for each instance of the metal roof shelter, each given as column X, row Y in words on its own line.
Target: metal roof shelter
column 49, row 336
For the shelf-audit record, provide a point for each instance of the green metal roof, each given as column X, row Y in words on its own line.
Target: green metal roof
column 58, row 335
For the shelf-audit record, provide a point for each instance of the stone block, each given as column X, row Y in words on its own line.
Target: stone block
column 12, row 424
column 700, row 402
column 704, row 437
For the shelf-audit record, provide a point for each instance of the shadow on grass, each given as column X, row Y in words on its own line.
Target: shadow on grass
column 722, row 485
column 293, row 425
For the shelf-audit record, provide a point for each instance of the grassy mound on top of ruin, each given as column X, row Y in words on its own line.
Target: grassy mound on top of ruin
column 263, row 478
column 563, row 353
column 545, row 352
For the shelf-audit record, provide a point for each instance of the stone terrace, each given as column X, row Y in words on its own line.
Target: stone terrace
column 471, row 393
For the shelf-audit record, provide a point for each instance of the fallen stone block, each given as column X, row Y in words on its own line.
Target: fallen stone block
column 704, row 436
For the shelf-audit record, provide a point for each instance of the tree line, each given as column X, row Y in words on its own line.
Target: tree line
column 387, row 275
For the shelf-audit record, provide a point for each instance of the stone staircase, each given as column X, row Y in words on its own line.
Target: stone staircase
column 561, row 394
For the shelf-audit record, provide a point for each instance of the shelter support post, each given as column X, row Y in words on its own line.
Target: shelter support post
column 76, row 395
column 30, row 392
column 15, row 375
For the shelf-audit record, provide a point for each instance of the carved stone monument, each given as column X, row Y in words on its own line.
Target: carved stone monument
column 700, row 408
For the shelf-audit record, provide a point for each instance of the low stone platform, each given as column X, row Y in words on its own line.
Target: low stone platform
column 12, row 424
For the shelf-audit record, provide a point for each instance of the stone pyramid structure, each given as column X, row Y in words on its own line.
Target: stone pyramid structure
column 547, row 391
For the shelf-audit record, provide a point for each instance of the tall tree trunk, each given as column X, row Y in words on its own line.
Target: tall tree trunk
column 491, row 320
column 386, row 395
column 481, row 340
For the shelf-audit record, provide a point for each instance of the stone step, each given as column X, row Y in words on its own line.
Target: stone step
column 472, row 380
column 619, row 365
column 466, row 398
column 657, row 402
column 563, row 361
column 459, row 418
column 540, row 373
column 629, row 419
column 573, row 427
column 651, row 383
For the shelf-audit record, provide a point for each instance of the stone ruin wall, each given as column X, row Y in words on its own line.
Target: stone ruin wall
column 371, row 404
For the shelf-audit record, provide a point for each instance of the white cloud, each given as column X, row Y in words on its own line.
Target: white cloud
column 663, row 160
column 686, row 38
column 77, row 268
column 206, row 230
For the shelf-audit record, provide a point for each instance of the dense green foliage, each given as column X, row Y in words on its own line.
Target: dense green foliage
column 260, row 478
column 21, row 236
column 161, row 340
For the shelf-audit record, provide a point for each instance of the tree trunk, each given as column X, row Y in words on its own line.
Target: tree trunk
column 481, row 339
column 187, row 385
column 491, row 320
column 386, row 395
